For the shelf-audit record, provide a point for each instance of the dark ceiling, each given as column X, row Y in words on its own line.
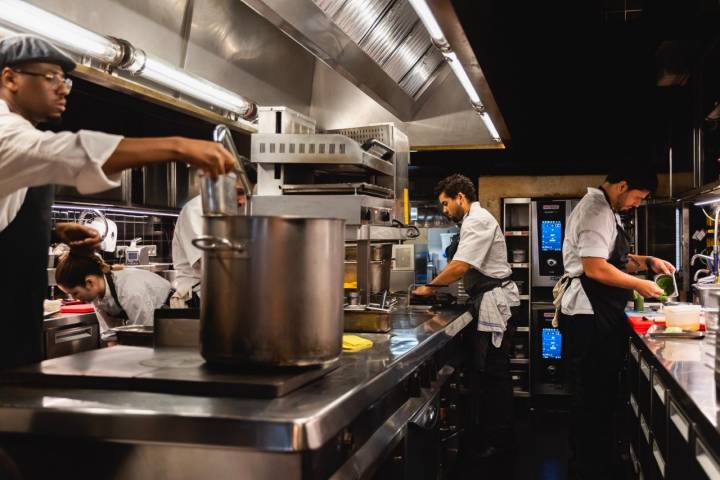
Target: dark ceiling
column 576, row 82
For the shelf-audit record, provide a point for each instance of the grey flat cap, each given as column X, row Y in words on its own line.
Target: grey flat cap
column 30, row 48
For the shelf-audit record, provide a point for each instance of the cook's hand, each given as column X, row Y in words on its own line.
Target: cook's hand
column 211, row 157
column 424, row 291
column 658, row 265
column 649, row 289
column 77, row 235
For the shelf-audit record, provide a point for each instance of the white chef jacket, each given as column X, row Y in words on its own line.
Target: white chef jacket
column 30, row 157
column 140, row 292
column 482, row 245
column 591, row 232
column 186, row 257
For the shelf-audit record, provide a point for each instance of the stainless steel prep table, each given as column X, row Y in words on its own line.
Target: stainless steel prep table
column 164, row 426
column 673, row 408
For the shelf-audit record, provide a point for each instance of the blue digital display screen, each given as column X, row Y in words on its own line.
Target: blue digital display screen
column 550, row 235
column 551, row 343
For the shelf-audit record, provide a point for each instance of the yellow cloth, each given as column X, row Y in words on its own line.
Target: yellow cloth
column 353, row 343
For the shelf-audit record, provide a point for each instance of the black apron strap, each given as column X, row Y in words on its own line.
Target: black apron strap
column 24, row 247
column 451, row 249
column 113, row 291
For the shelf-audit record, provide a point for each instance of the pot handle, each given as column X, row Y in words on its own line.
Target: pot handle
column 209, row 243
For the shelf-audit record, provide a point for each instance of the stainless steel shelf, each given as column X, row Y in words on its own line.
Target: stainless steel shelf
column 519, row 265
column 517, row 233
column 523, row 329
column 524, row 297
column 519, row 361
column 521, row 394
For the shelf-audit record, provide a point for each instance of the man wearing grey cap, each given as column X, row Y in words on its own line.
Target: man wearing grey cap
column 34, row 89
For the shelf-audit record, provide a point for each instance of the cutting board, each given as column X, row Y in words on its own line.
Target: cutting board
column 79, row 308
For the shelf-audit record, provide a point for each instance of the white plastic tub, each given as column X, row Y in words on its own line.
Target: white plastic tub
column 685, row 316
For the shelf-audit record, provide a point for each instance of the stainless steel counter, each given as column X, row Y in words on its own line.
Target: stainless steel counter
column 302, row 420
column 673, row 408
column 685, row 364
column 64, row 319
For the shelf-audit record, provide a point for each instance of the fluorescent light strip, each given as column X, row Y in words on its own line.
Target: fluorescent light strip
column 428, row 19
column 161, row 73
column 462, row 76
column 24, row 17
column 485, row 117
column 123, row 211
column 433, row 28
column 707, row 202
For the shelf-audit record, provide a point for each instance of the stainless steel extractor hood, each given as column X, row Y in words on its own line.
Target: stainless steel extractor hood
column 383, row 48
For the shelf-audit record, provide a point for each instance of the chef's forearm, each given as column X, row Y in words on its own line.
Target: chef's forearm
column 138, row 152
column 452, row 273
column 601, row 271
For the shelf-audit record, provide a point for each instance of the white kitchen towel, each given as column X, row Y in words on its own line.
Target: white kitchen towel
column 494, row 313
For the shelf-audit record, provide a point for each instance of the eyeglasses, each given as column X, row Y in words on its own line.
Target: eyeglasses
column 55, row 79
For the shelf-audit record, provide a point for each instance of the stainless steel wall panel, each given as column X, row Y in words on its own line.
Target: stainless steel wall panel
column 232, row 45
column 153, row 26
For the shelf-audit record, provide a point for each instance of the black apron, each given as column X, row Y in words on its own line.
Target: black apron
column 608, row 302
column 110, row 281
column 24, row 247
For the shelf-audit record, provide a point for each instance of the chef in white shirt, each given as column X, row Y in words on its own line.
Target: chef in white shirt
column 187, row 258
column 34, row 89
column 481, row 261
column 127, row 296
column 597, row 260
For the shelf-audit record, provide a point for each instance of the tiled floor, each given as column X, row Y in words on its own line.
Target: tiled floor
column 542, row 453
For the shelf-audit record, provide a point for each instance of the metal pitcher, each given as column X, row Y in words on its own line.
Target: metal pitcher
column 219, row 195
column 272, row 290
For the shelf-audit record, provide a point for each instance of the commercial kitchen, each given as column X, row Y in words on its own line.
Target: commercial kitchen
column 377, row 239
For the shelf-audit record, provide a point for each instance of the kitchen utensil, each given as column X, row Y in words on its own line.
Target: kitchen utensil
column 219, row 196
column 222, row 135
column 705, row 294
column 668, row 283
column 272, row 290
column 106, row 228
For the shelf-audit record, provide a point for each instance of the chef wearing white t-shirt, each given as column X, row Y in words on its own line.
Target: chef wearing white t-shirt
column 597, row 259
column 480, row 259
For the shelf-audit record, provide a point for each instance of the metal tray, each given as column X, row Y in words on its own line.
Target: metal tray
column 691, row 335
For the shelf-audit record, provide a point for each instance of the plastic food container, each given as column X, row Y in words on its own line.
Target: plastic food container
column 685, row 316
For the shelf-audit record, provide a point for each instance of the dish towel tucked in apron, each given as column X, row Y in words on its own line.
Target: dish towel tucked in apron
column 494, row 314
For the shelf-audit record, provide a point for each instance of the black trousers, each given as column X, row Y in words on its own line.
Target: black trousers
column 492, row 391
column 594, row 362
